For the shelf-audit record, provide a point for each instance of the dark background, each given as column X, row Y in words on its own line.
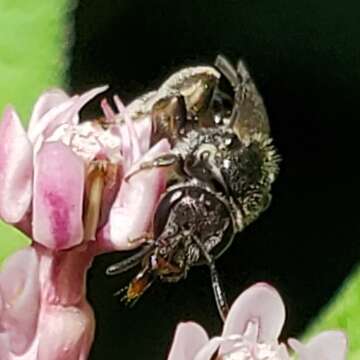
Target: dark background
column 305, row 58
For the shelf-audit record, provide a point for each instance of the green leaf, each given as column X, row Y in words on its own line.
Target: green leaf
column 11, row 240
column 34, row 41
column 343, row 313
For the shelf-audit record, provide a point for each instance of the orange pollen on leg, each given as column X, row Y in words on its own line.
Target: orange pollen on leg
column 136, row 288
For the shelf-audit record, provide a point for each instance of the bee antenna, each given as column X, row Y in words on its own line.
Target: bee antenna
column 130, row 262
column 121, row 291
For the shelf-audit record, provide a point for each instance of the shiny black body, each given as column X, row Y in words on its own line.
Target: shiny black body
column 188, row 214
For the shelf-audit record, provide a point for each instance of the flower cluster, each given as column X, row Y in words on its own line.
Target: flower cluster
column 251, row 332
column 62, row 184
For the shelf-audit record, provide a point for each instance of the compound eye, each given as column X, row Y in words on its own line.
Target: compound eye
column 164, row 209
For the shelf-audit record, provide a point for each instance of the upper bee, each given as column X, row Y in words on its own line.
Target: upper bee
column 221, row 137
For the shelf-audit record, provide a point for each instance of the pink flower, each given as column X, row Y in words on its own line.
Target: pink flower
column 43, row 317
column 251, row 332
column 60, row 180
column 61, row 183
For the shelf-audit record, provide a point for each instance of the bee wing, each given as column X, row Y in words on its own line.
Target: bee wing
column 249, row 114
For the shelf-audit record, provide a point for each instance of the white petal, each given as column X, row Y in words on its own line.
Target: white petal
column 188, row 340
column 65, row 333
column 16, row 168
column 209, row 349
column 46, row 102
column 261, row 303
column 58, row 197
column 19, row 286
column 328, row 345
column 64, row 113
column 4, row 347
column 133, row 209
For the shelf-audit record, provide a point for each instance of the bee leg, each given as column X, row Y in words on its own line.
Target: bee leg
column 130, row 262
column 218, row 289
column 146, row 237
column 165, row 160
column 219, row 292
column 139, row 285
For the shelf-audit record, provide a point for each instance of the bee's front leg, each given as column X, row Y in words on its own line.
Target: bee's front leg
column 219, row 293
column 165, row 160
column 131, row 261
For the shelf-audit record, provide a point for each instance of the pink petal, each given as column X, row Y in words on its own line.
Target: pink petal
column 260, row 303
column 4, row 347
column 283, row 352
column 71, row 115
column 188, row 340
column 57, row 112
column 328, row 345
column 209, row 349
column 64, row 113
column 58, row 197
column 45, row 103
column 15, row 168
column 1, row 306
column 107, row 110
column 65, row 333
column 143, row 130
column 63, row 274
column 19, row 286
column 133, row 209
column 131, row 132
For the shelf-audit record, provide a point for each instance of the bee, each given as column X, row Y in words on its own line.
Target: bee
column 192, row 225
column 223, row 164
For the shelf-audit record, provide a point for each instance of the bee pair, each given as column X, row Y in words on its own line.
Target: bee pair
column 224, row 165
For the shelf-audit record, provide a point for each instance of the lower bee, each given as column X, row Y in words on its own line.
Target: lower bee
column 223, row 166
column 192, row 225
